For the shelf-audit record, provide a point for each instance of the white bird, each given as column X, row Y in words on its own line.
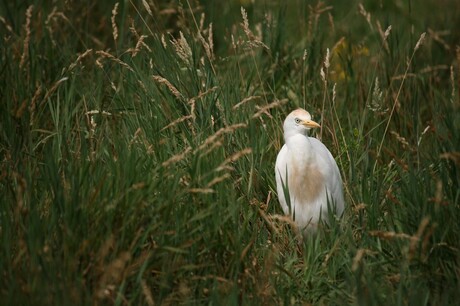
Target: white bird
column 307, row 174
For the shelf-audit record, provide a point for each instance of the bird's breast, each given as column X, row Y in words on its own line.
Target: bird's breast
column 306, row 182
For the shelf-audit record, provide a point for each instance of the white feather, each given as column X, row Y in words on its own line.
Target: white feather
column 307, row 171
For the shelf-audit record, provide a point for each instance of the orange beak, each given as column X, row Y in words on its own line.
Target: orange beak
column 310, row 124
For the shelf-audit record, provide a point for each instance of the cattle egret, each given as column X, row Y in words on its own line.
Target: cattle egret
column 306, row 174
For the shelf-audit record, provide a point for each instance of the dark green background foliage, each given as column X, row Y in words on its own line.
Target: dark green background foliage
column 137, row 151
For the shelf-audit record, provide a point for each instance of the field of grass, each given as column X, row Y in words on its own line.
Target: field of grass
column 138, row 141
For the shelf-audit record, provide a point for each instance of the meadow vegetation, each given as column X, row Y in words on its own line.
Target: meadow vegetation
column 138, row 142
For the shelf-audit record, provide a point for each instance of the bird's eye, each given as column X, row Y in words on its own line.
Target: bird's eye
column 297, row 120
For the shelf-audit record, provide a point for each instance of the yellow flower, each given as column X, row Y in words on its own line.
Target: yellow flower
column 341, row 54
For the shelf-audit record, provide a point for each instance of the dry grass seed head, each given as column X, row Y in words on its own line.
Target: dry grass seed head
column 140, row 43
column 452, row 81
column 53, row 88
column 234, row 157
column 325, row 68
column 192, row 101
column 427, row 128
column 331, row 21
column 7, row 25
column 49, row 18
column 222, row 112
column 114, row 24
column 389, row 235
column 327, row 62
column 79, row 59
column 104, row 54
column 210, row 41
column 457, row 55
column 201, row 190
column 139, row 137
column 177, row 121
column 147, row 7
column 387, row 32
column 142, row 85
column 417, row 237
column 365, row 14
column 322, row 74
column 202, row 94
column 420, row 41
column 376, row 103
column 218, row 179
column 384, row 35
column 334, row 93
column 132, row 28
column 201, row 26
column 433, row 69
column 135, row 137
column 283, row 220
column 244, row 101
column 183, row 49
column 405, row 144
column 233, row 42
column 253, row 40
column 163, row 41
column 176, row 158
column 436, row 35
column 245, row 23
column 403, row 76
column 27, row 27
column 212, row 147
column 305, row 53
column 54, row 15
column 453, row 156
column 313, row 17
column 216, row 136
column 264, row 109
column 33, row 104
column 147, row 292
column 207, row 47
column 172, row 89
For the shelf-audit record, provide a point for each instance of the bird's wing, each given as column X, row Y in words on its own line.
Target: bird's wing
column 281, row 177
column 330, row 170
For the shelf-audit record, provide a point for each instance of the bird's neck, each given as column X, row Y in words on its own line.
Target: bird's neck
column 300, row 145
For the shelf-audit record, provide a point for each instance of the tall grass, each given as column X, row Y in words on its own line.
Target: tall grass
column 138, row 142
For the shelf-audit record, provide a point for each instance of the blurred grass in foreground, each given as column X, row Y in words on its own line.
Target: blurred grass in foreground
column 138, row 141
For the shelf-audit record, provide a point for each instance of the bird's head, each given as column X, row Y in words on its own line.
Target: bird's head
column 298, row 122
